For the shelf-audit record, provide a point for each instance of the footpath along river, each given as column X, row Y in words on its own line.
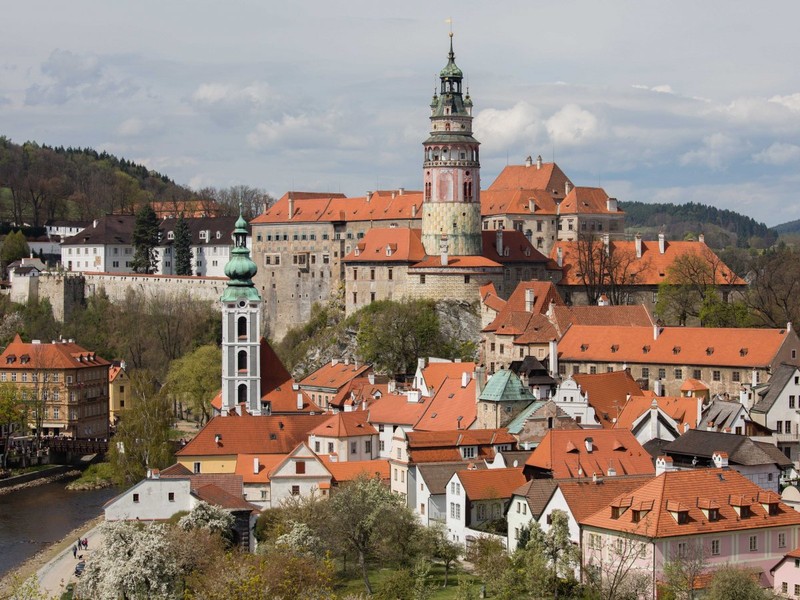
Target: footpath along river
column 33, row 518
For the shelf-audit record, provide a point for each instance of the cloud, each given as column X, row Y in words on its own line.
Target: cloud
column 506, row 129
column 572, row 126
column 778, row 154
column 716, row 150
column 130, row 127
column 216, row 94
column 304, row 131
column 791, row 102
column 661, row 89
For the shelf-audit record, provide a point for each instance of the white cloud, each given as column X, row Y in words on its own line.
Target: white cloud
column 572, row 126
column 130, row 127
column 305, row 131
column 210, row 94
column 716, row 150
column 778, row 154
column 661, row 89
column 791, row 102
column 497, row 129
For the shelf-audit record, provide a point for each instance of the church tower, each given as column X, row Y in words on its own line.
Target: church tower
column 451, row 213
column 241, row 327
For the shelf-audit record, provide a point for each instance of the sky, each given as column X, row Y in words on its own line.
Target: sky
column 653, row 100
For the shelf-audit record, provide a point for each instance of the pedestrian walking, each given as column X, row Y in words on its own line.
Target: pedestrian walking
column 75, row 551
column 85, row 543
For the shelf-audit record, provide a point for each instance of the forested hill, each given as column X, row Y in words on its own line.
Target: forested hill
column 40, row 183
column 789, row 227
column 725, row 227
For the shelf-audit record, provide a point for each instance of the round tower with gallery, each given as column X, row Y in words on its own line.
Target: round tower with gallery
column 451, row 212
column 241, row 327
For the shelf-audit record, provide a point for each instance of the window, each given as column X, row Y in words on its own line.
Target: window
column 502, row 348
column 797, row 589
column 715, row 547
column 171, row 496
column 678, row 373
column 735, row 376
column 469, row 452
column 355, row 274
column 368, row 446
column 662, row 373
column 422, row 278
column 196, row 467
column 372, row 274
column 785, row 588
column 295, row 490
column 136, row 497
column 753, row 543
column 398, row 453
column 681, row 549
column 381, row 445
column 645, row 372
column 787, row 426
column 791, row 401
column 697, row 374
column 594, row 541
column 781, row 540
column 716, row 376
column 779, row 427
column 390, row 274
column 353, row 447
column 330, row 447
column 300, row 467
column 593, row 370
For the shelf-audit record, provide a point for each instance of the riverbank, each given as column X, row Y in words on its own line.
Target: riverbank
column 38, row 478
column 41, row 559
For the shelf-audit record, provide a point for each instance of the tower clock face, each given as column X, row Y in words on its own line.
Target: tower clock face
column 444, row 185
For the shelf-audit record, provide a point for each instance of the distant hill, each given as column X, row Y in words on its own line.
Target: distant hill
column 790, row 227
column 721, row 227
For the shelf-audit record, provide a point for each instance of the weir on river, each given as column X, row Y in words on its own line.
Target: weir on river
column 33, row 518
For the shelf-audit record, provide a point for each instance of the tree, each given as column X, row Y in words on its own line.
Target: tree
column 605, row 268
column 489, row 558
column 15, row 247
column 183, row 247
column 195, row 377
column 561, row 555
column 363, row 513
column 208, row 517
column 732, row 583
column 12, row 416
column 683, row 570
column 774, row 292
column 142, row 440
column 438, row 545
column 612, row 568
column 145, row 240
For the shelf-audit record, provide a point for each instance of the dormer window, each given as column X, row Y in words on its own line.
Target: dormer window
column 676, row 350
column 469, row 451
column 11, row 358
column 614, row 348
column 710, row 350
column 769, row 502
column 710, row 508
column 645, row 349
column 584, row 347
column 619, row 506
column 679, row 512
column 743, row 352
column 170, row 235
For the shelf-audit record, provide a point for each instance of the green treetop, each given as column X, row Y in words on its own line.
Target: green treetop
column 145, row 240
column 183, row 247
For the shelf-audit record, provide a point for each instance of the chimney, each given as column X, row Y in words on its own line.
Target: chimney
column 218, row 439
column 334, row 362
column 538, row 162
column 656, row 331
column 371, row 378
column 637, row 239
column 754, row 378
column 664, row 464
column 720, row 459
column 299, row 400
column 611, row 205
column 567, row 187
column 606, row 244
column 123, row 365
column 559, row 256
column 480, row 380
column 658, row 388
column 528, row 162
column 401, row 191
column 413, row 210
column 654, row 419
column 551, row 308
column 532, row 205
column 553, row 359
column 589, row 443
column 788, row 326
column 291, row 205
column 662, row 243
column 530, row 299
column 368, row 196
column 443, row 249
column 256, row 466
column 499, row 242
column 94, row 223
column 701, row 238
column 420, row 363
column 464, row 379
column 413, row 396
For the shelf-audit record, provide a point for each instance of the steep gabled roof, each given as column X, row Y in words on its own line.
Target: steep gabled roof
column 435, row 372
column 452, row 406
column 777, row 382
column 537, row 492
column 334, row 374
column 388, row 245
column 436, row 476
column 395, row 409
column 721, row 413
column 680, row 409
column 741, row 449
column 544, row 292
column 345, row 425
column 491, row 484
column 564, row 453
column 548, row 177
column 216, row 496
column 245, row 466
column 610, row 315
column 686, row 491
column 60, row 355
column 445, row 446
column 586, row 496
column 608, row 392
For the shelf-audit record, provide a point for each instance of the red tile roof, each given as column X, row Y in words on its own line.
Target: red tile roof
column 564, row 454
column 521, row 177
column 395, row 409
column 585, row 200
column 611, row 315
column 245, row 464
column 434, row 373
column 335, row 207
column 586, row 496
column 344, row 425
column 684, row 490
column 350, row 470
column 388, row 245
column 459, row 262
column 544, row 293
column 652, row 268
column 488, row 484
column 20, row 355
column 710, row 346
column 334, row 376
column 680, row 409
column 214, row 495
column 608, row 392
column 490, row 297
column 443, row 446
column 452, row 407
column 246, row 434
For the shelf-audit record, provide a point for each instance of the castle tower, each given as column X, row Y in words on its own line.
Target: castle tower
column 241, row 327
column 451, row 170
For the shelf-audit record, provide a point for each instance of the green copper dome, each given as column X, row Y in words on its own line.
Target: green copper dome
column 451, row 70
column 240, row 269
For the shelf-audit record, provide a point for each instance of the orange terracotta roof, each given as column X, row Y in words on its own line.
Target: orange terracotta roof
column 517, row 202
column 217, row 497
column 608, row 392
column 283, row 399
column 20, row 355
column 246, row 434
column 435, row 373
column 488, row 484
column 452, row 407
column 682, row 490
column 358, row 391
column 245, row 466
column 624, row 316
column 651, row 269
column 395, row 409
column 344, row 425
column 334, row 376
column 694, row 385
column 538, row 330
column 586, row 496
column 515, row 243
column 388, row 245
column 114, row 370
column 380, row 206
column 680, row 409
column 350, row 470
column 585, row 200
column 514, row 177
column 564, row 453
column 490, row 297
column 544, row 293
column 443, row 446
column 741, row 347
column 458, row 262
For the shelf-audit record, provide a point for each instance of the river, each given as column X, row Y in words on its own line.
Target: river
column 33, row 518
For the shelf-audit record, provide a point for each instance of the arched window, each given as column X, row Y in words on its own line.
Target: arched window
column 241, row 360
column 241, row 327
column 241, row 393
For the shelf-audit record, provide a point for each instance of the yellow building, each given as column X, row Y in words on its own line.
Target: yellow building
column 119, row 396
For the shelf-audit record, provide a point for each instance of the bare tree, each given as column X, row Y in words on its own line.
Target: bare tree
column 684, row 568
column 614, row 566
column 604, row 267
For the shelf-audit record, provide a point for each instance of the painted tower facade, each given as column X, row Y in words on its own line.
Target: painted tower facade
column 451, row 214
column 241, row 327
